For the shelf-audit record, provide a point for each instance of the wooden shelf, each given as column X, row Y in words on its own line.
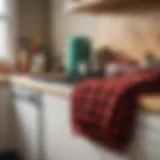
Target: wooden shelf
column 82, row 6
column 110, row 5
column 150, row 103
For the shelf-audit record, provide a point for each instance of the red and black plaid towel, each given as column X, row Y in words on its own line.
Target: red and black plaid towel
column 104, row 110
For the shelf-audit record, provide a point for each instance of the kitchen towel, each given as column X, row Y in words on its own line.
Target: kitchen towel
column 105, row 110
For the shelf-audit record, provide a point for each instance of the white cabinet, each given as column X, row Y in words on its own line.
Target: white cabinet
column 27, row 123
column 60, row 141
column 62, row 144
column 146, row 143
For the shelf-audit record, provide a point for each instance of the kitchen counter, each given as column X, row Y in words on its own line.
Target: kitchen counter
column 149, row 103
column 56, row 88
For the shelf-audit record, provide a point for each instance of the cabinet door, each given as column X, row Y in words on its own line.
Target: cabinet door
column 147, row 146
column 60, row 142
column 146, row 142
column 27, row 128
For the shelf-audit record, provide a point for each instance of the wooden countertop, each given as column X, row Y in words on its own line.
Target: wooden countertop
column 147, row 102
column 53, row 88
column 151, row 103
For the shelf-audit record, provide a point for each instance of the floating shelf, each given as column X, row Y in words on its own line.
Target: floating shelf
column 82, row 6
column 110, row 5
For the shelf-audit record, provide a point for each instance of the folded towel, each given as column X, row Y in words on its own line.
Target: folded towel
column 105, row 110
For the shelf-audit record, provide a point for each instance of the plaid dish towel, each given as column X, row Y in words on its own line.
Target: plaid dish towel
column 105, row 110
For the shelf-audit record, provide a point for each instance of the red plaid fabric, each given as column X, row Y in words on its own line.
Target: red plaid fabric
column 104, row 110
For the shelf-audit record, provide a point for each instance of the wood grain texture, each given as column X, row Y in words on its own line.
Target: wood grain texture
column 151, row 102
column 99, row 6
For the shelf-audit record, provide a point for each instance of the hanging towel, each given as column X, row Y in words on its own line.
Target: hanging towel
column 105, row 110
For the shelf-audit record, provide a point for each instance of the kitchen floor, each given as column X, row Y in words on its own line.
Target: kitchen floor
column 9, row 156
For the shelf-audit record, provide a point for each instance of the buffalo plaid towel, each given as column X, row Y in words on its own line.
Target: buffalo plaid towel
column 104, row 110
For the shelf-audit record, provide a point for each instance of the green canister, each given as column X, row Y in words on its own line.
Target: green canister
column 78, row 51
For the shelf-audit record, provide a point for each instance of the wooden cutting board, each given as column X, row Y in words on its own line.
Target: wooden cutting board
column 151, row 103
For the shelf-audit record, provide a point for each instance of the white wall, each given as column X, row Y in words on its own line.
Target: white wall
column 66, row 24
column 132, row 33
column 32, row 18
column 41, row 16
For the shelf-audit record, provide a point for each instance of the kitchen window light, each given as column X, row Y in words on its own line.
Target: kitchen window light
column 5, row 30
